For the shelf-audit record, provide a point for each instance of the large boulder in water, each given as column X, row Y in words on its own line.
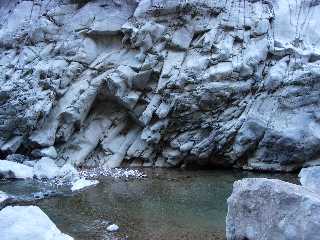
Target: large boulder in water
column 28, row 223
column 268, row 209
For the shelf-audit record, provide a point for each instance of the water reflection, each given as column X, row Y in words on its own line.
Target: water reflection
column 169, row 204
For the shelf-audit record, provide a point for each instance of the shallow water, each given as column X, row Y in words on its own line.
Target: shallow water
column 168, row 204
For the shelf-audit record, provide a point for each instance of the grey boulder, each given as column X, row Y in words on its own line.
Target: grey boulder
column 269, row 209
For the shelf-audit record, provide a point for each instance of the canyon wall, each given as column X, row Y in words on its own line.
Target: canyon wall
column 232, row 83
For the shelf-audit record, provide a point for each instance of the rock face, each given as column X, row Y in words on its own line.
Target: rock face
column 28, row 223
column 168, row 83
column 265, row 209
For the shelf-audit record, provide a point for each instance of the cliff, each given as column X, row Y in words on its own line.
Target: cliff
column 162, row 83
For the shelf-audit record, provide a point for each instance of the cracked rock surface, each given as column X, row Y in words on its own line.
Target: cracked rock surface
column 161, row 83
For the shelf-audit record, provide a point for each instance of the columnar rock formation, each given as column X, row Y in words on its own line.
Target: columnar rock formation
column 162, row 83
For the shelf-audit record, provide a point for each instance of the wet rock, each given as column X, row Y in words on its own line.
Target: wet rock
column 26, row 223
column 272, row 209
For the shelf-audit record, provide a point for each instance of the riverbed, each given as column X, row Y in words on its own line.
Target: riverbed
column 167, row 204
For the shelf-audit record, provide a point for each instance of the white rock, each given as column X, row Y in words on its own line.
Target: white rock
column 310, row 178
column 28, row 223
column 163, row 110
column 13, row 144
column 49, row 152
column 45, row 168
column 83, row 183
column 10, row 169
column 113, row 228
column 186, row 147
column 182, row 38
column 68, row 172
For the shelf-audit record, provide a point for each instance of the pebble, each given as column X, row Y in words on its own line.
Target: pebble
column 117, row 173
column 113, row 228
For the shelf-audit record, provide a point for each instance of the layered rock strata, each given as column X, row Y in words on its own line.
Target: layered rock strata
column 161, row 83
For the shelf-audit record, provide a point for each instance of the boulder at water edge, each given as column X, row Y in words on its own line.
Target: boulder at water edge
column 269, row 209
column 10, row 169
column 28, row 223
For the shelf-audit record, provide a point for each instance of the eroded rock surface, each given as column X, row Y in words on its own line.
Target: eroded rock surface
column 161, row 83
column 263, row 209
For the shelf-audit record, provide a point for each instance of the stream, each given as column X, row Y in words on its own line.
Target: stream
column 167, row 204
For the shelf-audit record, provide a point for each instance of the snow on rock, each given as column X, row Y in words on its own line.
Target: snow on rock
column 10, row 169
column 83, row 183
column 113, row 228
column 28, row 223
